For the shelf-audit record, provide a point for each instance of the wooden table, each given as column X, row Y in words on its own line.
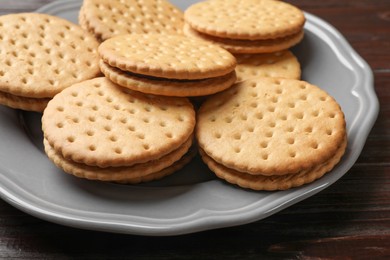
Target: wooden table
column 351, row 219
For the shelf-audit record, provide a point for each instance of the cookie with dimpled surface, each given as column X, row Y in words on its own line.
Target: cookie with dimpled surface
column 283, row 64
column 245, row 19
column 270, row 126
column 131, row 127
column 110, row 18
column 274, row 182
column 171, row 56
column 168, row 87
column 42, row 55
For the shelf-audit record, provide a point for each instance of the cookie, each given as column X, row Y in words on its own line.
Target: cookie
column 245, row 19
column 23, row 103
column 248, row 46
column 168, row 87
column 143, row 172
column 130, row 127
column 171, row 56
column 172, row 65
column 42, row 55
column 176, row 166
column 276, row 182
column 109, row 18
column 84, row 24
column 270, row 126
column 283, row 64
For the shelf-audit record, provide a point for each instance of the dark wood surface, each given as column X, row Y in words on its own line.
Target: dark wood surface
column 349, row 220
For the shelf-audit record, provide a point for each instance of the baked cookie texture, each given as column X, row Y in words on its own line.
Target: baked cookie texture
column 173, row 65
column 246, row 26
column 283, row 64
column 271, row 127
column 40, row 56
column 96, row 127
column 108, row 18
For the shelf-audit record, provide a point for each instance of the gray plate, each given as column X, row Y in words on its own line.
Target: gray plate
column 192, row 199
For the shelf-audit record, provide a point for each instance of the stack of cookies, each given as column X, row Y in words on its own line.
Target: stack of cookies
column 98, row 131
column 169, row 65
column 108, row 18
column 136, row 124
column 248, row 27
column 271, row 134
column 42, row 55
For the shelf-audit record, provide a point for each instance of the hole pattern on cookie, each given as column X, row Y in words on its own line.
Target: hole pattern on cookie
column 264, row 156
column 290, row 122
column 41, row 44
column 171, row 56
column 114, row 18
column 105, row 115
column 280, row 64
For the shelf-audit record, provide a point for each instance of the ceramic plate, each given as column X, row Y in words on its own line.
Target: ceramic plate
column 193, row 199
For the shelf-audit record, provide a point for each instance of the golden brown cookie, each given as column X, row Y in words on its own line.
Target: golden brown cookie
column 245, row 19
column 23, row 103
column 168, row 87
column 283, row 64
column 274, row 182
column 248, row 46
column 42, row 55
column 142, row 172
column 98, row 123
column 176, row 166
column 171, row 56
column 84, row 24
column 270, row 126
column 109, row 18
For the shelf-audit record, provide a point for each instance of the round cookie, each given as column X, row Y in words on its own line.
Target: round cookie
column 245, row 19
column 131, row 174
column 99, row 123
column 42, row 55
column 23, row 103
column 270, row 126
column 281, row 64
column 248, row 46
column 109, row 18
column 275, row 182
column 171, row 56
column 168, row 87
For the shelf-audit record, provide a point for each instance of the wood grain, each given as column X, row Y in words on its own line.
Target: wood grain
column 349, row 220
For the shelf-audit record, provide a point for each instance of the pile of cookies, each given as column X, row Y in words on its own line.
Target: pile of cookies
column 259, row 127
